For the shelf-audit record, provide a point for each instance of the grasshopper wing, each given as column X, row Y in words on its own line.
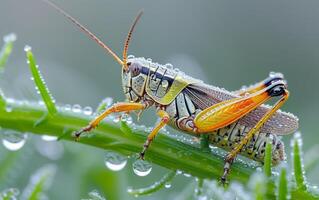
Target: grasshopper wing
column 204, row 96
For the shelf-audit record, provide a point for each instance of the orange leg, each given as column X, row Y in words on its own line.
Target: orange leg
column 118, row 107
column 232, row 155
column 164, row 120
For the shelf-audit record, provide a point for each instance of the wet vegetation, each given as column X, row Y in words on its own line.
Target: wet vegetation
column 121, row 141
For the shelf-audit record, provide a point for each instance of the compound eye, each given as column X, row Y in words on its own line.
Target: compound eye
column 135, row 70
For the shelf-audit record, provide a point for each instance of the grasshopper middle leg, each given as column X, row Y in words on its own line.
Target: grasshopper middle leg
column 164, row 120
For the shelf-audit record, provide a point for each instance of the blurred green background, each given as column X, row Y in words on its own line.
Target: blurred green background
column 225, row 43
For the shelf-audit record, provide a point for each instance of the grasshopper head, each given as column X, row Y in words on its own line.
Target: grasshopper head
column 134, row 79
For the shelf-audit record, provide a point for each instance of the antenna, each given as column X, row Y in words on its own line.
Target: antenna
column 85, row 30
column 128, row 38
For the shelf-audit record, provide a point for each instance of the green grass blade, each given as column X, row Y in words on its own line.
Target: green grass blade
column 6, row 49
column 297, row 163
column 40, row 84
column 283, row 185
column 39, row 182
column 155, row 187
column 2, row 100
column 267, row 160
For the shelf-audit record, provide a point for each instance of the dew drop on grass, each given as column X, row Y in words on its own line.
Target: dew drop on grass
column 115, row 161
column 8, row 108
column 142, row 167
column 10, row 38
column 87, row 110
column 67, row 107
column 13, row 140
column 76, row 108
column 168, row 185
column 48, row 138
column 27, row 48
column 127, row 118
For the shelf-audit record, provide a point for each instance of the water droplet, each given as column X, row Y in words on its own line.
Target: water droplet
column 27, row 48
column 13, row 140
column 142, row 168
column 49, row 138
column 168, row 185
column 127, row 118
column 168, row 66
column 130, row 56
column 76, row 108
column 8, row 108
column 10, row 38
column 149, row 59
column 115, row 161
column 87, row 110
column 187, row 175
column 67, row 107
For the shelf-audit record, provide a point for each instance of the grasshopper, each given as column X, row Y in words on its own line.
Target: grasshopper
column 238, row 121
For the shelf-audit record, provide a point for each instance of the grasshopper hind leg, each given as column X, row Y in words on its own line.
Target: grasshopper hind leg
column 276, row 91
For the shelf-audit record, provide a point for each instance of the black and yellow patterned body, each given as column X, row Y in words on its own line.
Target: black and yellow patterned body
column 183, row 97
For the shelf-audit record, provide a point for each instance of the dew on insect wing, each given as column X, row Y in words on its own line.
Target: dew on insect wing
column 49, row 138
column 27, row 48
column 142, row 167
column 10, row 37
column 115, row 161
column 76, row 108
column 13, row 140
column 168, row 66
column 130, row 56
column 149, row 59
column 87, row 110
column 168, row 185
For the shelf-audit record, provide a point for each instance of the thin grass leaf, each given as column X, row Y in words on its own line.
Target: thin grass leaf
column 267, row 159
column 40, row 84
column 6, row 49
column 167, row 178
column 2, row 100
column 125, row 127
column 297, row 163
column 39, row 182
column 283, row 185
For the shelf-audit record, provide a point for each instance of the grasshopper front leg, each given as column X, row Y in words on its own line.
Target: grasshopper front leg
column 118, row 107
